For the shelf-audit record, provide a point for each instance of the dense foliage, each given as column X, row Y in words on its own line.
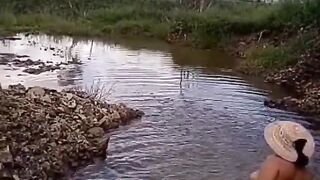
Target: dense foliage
column 173, row 20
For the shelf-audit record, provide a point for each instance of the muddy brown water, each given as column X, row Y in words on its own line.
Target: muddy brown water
column 203, row 120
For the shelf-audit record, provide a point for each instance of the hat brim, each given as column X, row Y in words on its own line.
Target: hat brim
column 288, row 154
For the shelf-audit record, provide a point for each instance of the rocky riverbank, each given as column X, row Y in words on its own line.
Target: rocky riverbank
column 46, row 134
column 32, row 66
column 302, row 79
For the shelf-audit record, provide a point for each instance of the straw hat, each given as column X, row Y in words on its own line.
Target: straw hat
column 280, row 136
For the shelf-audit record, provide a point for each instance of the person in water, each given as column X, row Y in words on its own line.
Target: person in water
column 293, row 146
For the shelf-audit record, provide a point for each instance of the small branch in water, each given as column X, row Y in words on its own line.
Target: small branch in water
column 91, row 47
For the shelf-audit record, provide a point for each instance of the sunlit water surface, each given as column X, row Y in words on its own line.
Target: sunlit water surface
column 203, row 121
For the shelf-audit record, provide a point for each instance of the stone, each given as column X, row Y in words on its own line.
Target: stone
column 96, row 131
column 5, row 156
column 72, row 104
column 102, row 145
column 69, row 96
column 53, row 131
column 301, row 80
column 46, row 165
column 18, row 87
column 5, row 174
column 3, row 142
column 35, row 92
column 46, row 98
column 82, row 117
column 115, row 115
column 15, row 177
column 103, row 121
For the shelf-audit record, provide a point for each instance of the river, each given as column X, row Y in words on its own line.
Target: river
column 203, row 120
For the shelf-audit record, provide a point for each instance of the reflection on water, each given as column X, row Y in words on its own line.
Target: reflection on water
column 203, row 121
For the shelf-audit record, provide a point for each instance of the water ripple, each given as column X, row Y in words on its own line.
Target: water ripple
column 201, row 122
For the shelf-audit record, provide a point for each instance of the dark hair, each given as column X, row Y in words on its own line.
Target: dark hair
column 302, row 160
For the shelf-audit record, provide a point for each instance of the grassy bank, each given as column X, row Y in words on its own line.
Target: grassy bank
column 268, row 57
column 163, row 19
column 87, row 18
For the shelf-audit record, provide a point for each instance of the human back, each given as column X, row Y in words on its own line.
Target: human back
column 293, row 147
column 276, row 168
column 289, row 171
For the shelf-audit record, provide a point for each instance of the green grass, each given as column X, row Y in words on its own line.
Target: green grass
column 220, row 19
column 7, row 19
column 155, row 18
column 50, row 24
column 272, row 58
column 159, row 18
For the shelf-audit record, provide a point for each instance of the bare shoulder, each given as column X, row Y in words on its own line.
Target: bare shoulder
column 269, row 168
column 275, row 163
column 273, row 159
column 279, row 161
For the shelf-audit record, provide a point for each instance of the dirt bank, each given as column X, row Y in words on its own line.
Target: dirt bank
column 45, row 134
column 304, row 79
column 301, row 78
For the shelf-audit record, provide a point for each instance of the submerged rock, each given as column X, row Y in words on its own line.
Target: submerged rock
column 28, row 62
column 4, row 61
column 31, row 66
column 41, row 69
column 44, row 133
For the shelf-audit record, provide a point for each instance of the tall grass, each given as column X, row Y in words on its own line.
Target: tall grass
column 159, row 18
column 278, row 57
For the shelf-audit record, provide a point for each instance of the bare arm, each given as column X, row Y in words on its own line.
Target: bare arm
column 254, row 175
column 269, row 170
